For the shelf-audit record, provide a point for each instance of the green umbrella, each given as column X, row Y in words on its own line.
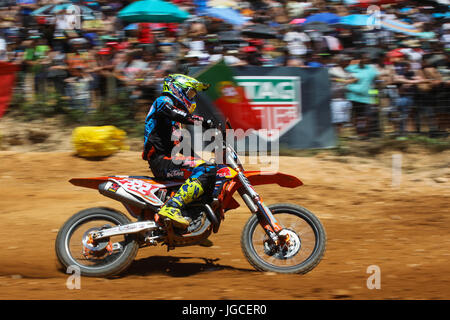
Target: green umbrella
column 152, row 11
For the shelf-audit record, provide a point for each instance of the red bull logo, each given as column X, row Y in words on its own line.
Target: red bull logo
column 226, row 172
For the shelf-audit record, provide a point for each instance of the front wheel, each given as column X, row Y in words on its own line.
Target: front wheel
column 300, row 254
column 103, row 258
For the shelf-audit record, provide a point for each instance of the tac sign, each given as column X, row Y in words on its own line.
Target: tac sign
column 276, row 100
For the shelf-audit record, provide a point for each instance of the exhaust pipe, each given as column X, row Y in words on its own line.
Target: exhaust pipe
column 115, row 191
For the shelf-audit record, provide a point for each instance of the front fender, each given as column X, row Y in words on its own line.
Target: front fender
column 282, row 179
column 259, row 178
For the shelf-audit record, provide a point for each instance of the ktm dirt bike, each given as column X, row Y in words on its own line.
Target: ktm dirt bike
column 102, row 242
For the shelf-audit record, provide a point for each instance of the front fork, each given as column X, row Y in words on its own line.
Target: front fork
column 256, row 205
column 254, row 201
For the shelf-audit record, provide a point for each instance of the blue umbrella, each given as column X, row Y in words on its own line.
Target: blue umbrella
column 325, row 17
column 41, row 10
column 355, row 20
column 132, row 26
column 26, row 1
column 441, row 15
column 226, row 14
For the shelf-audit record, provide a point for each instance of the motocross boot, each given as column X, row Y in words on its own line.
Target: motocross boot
column 191, row 190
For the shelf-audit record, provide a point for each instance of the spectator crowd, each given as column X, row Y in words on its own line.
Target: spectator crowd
column 379, row 77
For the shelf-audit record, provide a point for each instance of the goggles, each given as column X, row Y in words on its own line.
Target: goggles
column 191, row 93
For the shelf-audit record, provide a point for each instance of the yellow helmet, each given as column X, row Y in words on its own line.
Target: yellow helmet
column 184, row 89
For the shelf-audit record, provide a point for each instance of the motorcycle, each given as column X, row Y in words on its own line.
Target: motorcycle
column 102, row 242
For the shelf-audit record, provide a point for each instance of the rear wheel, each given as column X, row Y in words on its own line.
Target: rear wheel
column 302, row 251
column 106, row 257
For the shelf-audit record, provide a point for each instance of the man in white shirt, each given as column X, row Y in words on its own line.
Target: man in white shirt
column 231, row 59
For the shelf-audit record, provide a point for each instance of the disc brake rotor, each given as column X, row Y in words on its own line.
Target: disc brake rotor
column 289, row 245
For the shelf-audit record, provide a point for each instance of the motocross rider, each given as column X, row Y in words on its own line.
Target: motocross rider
column 173, row 108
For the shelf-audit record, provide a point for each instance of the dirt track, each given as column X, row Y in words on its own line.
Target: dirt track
column 405, row 231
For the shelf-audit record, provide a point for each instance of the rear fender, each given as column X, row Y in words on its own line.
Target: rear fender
column 88, row 182
column 94, row 182
column 134, row 191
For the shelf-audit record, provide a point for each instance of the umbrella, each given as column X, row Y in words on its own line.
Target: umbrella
column 230, row 36
column 131, row 26
column 226, row 14
column 325, row 17
column 153, row 26
column 355, row 20
column 152, row 11
column 51, row 9
column 367, row 3
column 316, row 26
column 405, row 28
column 297, row 21
column 441, row 15
column 260, row 31
column 41, row 10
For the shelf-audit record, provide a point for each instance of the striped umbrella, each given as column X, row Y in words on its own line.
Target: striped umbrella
column 404, row 28
column 52, row 9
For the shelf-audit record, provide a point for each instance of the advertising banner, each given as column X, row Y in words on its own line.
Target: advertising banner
column 291, row 104
column 275, row 101
column 228, row 97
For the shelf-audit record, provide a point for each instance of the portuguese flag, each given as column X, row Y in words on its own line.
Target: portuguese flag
column 228, row 97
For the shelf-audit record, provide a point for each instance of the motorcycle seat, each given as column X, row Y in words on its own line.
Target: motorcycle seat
column 159, row 180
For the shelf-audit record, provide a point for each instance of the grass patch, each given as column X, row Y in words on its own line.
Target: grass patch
column 284, row 151
column 375, row 146
column 432, row 144
column 119, row 113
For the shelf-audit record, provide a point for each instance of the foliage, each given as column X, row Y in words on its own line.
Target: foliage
column 118, row 112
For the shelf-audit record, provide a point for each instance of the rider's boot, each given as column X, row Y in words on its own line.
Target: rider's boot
column 191, row 190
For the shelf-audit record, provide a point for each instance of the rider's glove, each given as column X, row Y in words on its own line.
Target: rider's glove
column 197, row 118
